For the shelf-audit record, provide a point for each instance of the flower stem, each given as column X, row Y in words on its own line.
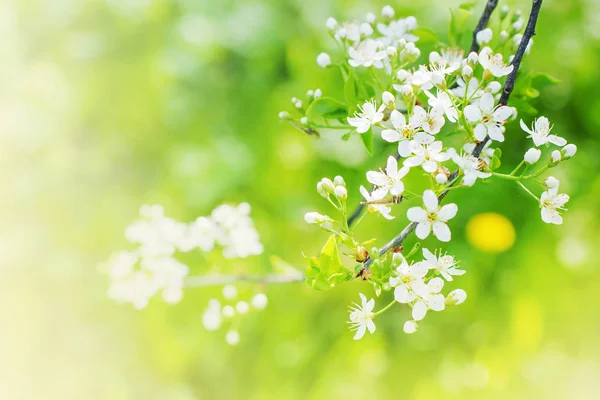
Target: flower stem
column 518, row 167
column 384, row 309
column 528, row 191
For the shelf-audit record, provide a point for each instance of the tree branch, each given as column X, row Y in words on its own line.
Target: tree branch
column 506, row 92
column 217, row 280
column 483, row 21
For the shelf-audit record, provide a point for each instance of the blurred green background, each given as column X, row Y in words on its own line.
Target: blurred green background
column 109, row 104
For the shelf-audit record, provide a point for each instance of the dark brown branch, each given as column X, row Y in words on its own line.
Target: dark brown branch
column 506, row 92
column 483, row 21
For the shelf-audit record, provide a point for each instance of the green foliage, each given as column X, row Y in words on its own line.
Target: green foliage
column 495, row 164
column 458, row 21
column 326, row 271
column 367, row 139
column 326, row 107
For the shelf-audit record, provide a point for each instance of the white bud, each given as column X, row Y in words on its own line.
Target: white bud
column 294, row 100
column 484, row 36
column 402, row 75
column 259, row 301
column 339, row 181
column 467, row 71
column 493, row 87
column 456, row 297
column 366, row 29
column 318, row 93
column 441, row 178
column 401, row 44
column 315, row 218
column 304, row 121
column 371, row 18
column 472, row 58
column 341, row 193
column 551, row 182
column 410, row 327
column 310, row 93
column 391, row 51
column 242, row 307
column 569, row 150
column 387, row 12
column 503, row 35
column 331, row 23
column 389, row 100
column 327, row 185
column 321, row 189
column 556, row 156
column 228, row 311
column 323, row 60
column 229, row 292
column 532, row 155
column 518, row 25
column 298, row 104
column 284, row 115
column 406, row 90
column 232, row 338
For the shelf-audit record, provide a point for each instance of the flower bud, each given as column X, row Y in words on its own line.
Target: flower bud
column 370, row 18
column 327, row 185
column 259, row 301
column 401, row 44
column 387, row 12
column 298, row 104
column 284, row 115
column 551, row 182
column 484, row 36
column 331, row 23
column 304, row 121
column 310, row 94
column 360, row 254
column 456, row 297
column 315, row 218
column 441, row 178
column 410, row 327
column 294, row 100
column 503, row 36
column 228, row 311
column 339, row 181
column 242, row 307
column 318, row 93
column 341, row 193
column 323, row 60
column 406, row 90
column 391, row 51
column 556, row 156
column 402, row 75
column 472, row 58
column 569, row 150
column 229, row 291
column 532, row 155
column 389, row 100
column 503, row 11
column 467, row 71
column 518, row 25
column 386, row 287
column 493, row 87
column 366, row 29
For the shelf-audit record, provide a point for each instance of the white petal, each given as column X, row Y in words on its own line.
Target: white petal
column 472, row 113
column 495, row 133
column 436, row 302
column 410, row 327
column 423, row 229
column 390, row 135
column 557, row 140
column 441, row 231
column 447, row 212
column 419, row 310
column 430, row 200
column 502, row 113
column 403, row 147
column 398, row 120
column 392, row 166
column 436, row 285
column 487, row 102
column 429, row 256
column 402, row 295
column 360, row 332
column 525, row 128
column 371, row 325
column 480, row 132
column 416, row 214
column 376, row 178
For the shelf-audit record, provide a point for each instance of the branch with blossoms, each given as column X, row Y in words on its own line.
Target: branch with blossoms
column 447, row 113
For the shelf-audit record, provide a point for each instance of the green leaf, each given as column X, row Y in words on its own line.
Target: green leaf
column 540, row 81
column 425, row 34
column 524, row 107
column 495, row 164
column 329, row 260
column 326, row 107
column 350, row 92
column 531, row 93
column 346, row 136
column 458, row 19
column 327, row 270
column 367, row 139
column 468, row 5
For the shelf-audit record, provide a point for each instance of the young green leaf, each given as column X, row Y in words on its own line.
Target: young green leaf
column 367, row 139
column 326, row 107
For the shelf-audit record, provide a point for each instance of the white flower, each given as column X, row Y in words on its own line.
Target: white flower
column 540, row 133
column 388, row 99
column 331, row 23
column 398, row 30
column 556, row 156
column 323, row 60
column 432, row 217
column 136, row 289
column 489, row 118
column 340, row 193
column 259, row 301
column 406, row 277
column 440, row 67
column 443, row 102
column 486, row 154
column 410, row 327
column 370, row 18
column 232, row 338
column 367, row 116
column 550, row 202
column 551, row 182
column 367, row 54
column 361, row 317
column 532, row 155
column 122, row 264
column 387, row 11
column 373, row 198
column 316, row 218
column 444, row 264
column 426, row 155
column 494, row 63
column 242, row 307
column 390, row 180
column 470, row 166
column 211, row 319
column 403, row 132
column 433, row 121
column 229, row 292
column 456, row 297
column 236, row 233
column 484, row 36
column 569, row 150
column 228, row 312
column 430, row 298
column 471, row 88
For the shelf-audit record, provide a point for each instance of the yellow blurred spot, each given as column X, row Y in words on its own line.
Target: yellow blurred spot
column 527, row 324
column 491, row 232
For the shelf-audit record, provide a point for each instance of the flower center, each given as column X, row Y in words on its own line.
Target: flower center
column 486, row 119
column 431, row 217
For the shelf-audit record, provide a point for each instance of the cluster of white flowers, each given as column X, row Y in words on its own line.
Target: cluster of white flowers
column 218, row 313
column 139, row 274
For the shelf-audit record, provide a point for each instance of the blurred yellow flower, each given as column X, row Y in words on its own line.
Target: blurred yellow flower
column 491, row 232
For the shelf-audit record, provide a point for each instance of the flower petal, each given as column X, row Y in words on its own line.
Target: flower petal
column 423, row 229
column 441, row 231
column 447, row 212
column 416, row 214
column 419, row 310
column 430, row 201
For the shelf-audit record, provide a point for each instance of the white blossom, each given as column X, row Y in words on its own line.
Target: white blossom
column 443, row 102
column 432, row 217
column 232, row 338
column 331, row 23
column 391, row 179
column 361, row 317
column 367, row 54
column 405, row 277
column 403, row 133
column 367, row 116
column 445, row 264
column 489, row 119
column 471, row 88
column 556, row 156
column 550, row 202
column 532, row 155
column 323, row 60
column 540, row 133
column 387, row 11
column 493, row 63
column 229, row 292
column 484, row 36
column 470, row 166
column 569, row 150
column 456, row 297
column 410, row 327
column 242, row 307
column 398, row 30
column 428, row 156
column 430, row 298
column 211, row 319
column 259, row 301
column 375, row 197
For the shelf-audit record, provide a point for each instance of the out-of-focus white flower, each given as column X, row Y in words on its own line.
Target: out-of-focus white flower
column 390, row 180
column 372, row 199
column 532, row 155
column 323, row 60
column 540, row 133
column 484, row 36
column 242, row 307
column 445, row 264
column 428, row 156
column 367, row 116
column 232, row 338
column 470, row 88
column 259, row 301
column 361, row 317
column 470, row 166
column 456, row 297
column 493, row 63
column 368, row 53
column 486, row 154
column 136, row 289
column 551, row 201
column 387, row 12
column 410, row 327
column 331, row 23
column 122, row 263
column 431, row 216
column 211, row 319
column 398, row 30
column 236, row 231
column 228, row 311
column 370, row 18
column 229, row 292
column 489, row 119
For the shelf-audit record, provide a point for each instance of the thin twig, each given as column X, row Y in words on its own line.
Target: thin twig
column 217, row 280
column 507, row 90
column 483, row 21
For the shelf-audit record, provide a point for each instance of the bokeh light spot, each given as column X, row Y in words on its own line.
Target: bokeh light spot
column 491, row 232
